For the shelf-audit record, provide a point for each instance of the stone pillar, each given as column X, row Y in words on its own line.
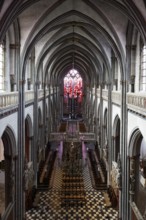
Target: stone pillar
column 101, row 118
column 20, row 215
column 35, row 143
column 96, row 114
column 123, row 152
column 44, row 118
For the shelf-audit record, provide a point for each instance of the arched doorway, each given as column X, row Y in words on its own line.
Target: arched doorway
column 8, row 153
column 116, row 139
column 136, row 190
column 28, row 161
column 28, row 138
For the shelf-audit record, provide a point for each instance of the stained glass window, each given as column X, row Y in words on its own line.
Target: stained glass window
column 73, row 85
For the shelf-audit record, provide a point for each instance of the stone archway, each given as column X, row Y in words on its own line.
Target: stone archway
column 9, row 144
column 116, row 139
column 28, row 138
column 136, row 192
column 28, row 163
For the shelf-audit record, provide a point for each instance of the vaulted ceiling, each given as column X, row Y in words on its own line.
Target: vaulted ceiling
column 66, row 33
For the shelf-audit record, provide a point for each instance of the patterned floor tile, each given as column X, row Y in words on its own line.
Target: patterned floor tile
column 50, row 206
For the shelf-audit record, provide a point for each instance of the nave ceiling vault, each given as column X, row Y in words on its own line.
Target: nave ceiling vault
column 63, row 31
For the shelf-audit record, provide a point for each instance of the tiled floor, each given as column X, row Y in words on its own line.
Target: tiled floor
column 50, row 208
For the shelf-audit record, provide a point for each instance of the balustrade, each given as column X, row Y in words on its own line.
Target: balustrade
column 8, row 99
column 138, row 100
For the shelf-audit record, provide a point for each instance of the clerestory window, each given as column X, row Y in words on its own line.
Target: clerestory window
column 143, row 70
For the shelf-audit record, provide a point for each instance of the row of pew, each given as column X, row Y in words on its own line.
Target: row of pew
column 98, row 182
column 109, row 194
column 45, row 171
column 73, row 193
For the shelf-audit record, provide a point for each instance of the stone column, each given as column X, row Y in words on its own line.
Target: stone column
column 96, row 114
column 35, row 143
column 20, row 215
column 101, row 117
column 44, row 119
column 109, row 126
column 123, row 152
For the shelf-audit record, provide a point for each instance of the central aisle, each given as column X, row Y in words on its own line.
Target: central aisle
column 50, row 208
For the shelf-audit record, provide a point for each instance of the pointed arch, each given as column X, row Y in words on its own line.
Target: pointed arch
column 29, row 124
column 135, row 142
column 116, row 138
column 9, row 141
column 116, row 125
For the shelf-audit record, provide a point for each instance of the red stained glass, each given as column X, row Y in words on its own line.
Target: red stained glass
column 73, row 85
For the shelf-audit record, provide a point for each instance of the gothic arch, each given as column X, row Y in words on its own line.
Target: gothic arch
column 28, row 137
column 135, row 142
column 134, row 168
column 9, row 141
column 29, row 123
column 116, row 138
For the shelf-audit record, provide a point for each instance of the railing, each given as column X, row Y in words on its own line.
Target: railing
column 12, row 98
column 136, row 211
column 58, row 136
column 8, row 99
column 138, row 100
